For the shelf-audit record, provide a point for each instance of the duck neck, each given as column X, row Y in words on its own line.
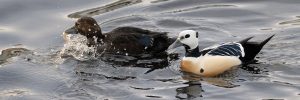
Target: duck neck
column 192, row 52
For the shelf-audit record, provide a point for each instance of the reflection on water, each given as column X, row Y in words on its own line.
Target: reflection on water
column 291, row 22
column 46, row 71
column 103, row 9
column 14, row 92
column 5, row 29
column 192, row 91
column 11, row 52
column 158, row 1
column 225, row 80
column 200, row 7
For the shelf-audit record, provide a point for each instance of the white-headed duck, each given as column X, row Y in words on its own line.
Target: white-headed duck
column 217, row 59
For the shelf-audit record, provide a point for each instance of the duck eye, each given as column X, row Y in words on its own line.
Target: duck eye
column 76, row 24
column 187, row 36
column 201, row 70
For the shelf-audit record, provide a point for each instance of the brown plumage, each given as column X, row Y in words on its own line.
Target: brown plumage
column 122, row 40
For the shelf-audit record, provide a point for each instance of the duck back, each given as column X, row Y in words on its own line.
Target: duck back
column 134, row 41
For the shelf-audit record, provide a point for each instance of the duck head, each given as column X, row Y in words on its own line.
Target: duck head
column 88, row 26
column 186, row 38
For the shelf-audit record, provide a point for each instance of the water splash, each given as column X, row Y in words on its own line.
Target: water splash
column 77, row 48
column 11, row 52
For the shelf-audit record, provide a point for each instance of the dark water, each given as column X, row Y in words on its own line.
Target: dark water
column 31, row 67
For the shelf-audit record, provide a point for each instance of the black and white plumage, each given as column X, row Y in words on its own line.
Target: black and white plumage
column 216, row 59
column 228, row 49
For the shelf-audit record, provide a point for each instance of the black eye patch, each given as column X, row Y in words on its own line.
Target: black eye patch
column 201, row 70
column 197, row 34
column 187, row 36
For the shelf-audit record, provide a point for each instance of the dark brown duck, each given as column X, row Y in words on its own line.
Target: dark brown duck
column 123, row 40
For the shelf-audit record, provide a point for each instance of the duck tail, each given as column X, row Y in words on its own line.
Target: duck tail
column 245, row 40
column 251, row 49
column 266, row 41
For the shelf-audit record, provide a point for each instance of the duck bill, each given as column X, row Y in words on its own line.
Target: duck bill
column 174, row 45
column 71, row 30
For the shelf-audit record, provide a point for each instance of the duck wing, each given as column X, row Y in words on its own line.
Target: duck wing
column 227, row 49
column 207, row 49
column 149, row 40
column 130, row 30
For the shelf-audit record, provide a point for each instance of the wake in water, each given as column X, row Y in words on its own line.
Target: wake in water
column 76, row 47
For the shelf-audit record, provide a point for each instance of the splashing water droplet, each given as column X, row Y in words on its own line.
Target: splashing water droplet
column 90, row 29
column 146, row 48
column 101, row 41
column 76, row 47
column 95, row 38
column 126, row 54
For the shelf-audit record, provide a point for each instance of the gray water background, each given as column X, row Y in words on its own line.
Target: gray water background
column 30, row 41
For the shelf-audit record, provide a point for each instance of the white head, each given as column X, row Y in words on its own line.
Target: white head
column 188, row 38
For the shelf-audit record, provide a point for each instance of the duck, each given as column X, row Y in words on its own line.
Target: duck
column 215, row 60
column 125, row 40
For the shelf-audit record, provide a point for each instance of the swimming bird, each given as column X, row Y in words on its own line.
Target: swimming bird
column 215, row 60
column 121, row 41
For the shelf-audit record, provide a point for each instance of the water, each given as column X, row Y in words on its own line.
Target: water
column 31, row 66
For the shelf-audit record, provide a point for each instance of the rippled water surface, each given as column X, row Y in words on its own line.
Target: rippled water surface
column 31, row 66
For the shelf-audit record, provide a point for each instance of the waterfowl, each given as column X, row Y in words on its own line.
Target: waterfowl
column 121, row 41
column 215, row 60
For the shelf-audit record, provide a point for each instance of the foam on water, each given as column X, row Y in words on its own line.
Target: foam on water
column 77, row 47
